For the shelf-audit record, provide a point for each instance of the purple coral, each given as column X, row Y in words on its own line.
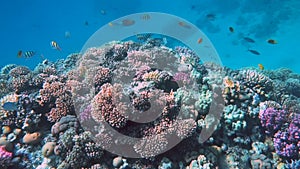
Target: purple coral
column 85, row 115
column 272, row 119
column 182, row 77
column 284, row 146
column 287, row 142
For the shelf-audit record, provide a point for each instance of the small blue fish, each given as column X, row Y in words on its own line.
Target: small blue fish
column 254, row 52
column 249, row 40
column 10, row 106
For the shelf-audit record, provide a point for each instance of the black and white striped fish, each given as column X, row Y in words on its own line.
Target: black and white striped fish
column 27, row 54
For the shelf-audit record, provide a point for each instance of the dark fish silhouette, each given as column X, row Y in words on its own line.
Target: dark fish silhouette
column 231, row 29
column 211, row 17
column 272, row 41
column 249, row 40
column 10, row 106
column 254, row 52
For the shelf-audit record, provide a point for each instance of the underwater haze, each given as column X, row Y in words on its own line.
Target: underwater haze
column 32, row 25
column 160, row 84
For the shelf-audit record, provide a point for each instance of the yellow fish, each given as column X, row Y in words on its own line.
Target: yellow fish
column 110, row 24
column 55, row 45
column 261, row 67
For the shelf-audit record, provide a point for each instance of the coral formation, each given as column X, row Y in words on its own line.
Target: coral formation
column 61, row 114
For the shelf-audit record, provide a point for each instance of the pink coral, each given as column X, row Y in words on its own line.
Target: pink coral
column 5, row 156
column 56, row 95
column 181, row 77
column 140, row 58
column 101, row 75
column 105, row 108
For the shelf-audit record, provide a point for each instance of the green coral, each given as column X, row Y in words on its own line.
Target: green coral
column 234, row 119
column 203, row 102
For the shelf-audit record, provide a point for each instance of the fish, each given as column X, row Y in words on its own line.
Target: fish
column 272, row 41
column 102, row 12
column 27, row 54
column 145, row 17
column 143, row 37
column 210, row 17
column 67, row 34
column 20, row 53
column 128, row 22
column 125, row 22
column 10, row 106
column 249, row 40
column 86, row 23
column 254, row 52
column 231, row 29
column 55, row 45
column 200, row 40
column 183, row 24
column 110, row 24
column 261, row 67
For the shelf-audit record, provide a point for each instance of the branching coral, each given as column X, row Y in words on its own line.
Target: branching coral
column 272, row 116
column 105, row 107
column 56, row 96
column 235, row 120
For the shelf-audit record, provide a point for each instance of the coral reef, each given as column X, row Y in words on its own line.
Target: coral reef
column 64, row 114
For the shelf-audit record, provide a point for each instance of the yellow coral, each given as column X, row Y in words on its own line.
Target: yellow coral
column 154, row 75
column 228, row 83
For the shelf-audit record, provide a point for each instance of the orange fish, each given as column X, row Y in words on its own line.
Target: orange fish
column 183, row 24
column 200, row 40
column 261, row 67
column 128, row 22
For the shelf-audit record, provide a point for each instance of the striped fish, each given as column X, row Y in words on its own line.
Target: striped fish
column 27, row 54
column 145, row 17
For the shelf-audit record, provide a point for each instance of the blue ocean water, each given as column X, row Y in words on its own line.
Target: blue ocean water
column 31, row 26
